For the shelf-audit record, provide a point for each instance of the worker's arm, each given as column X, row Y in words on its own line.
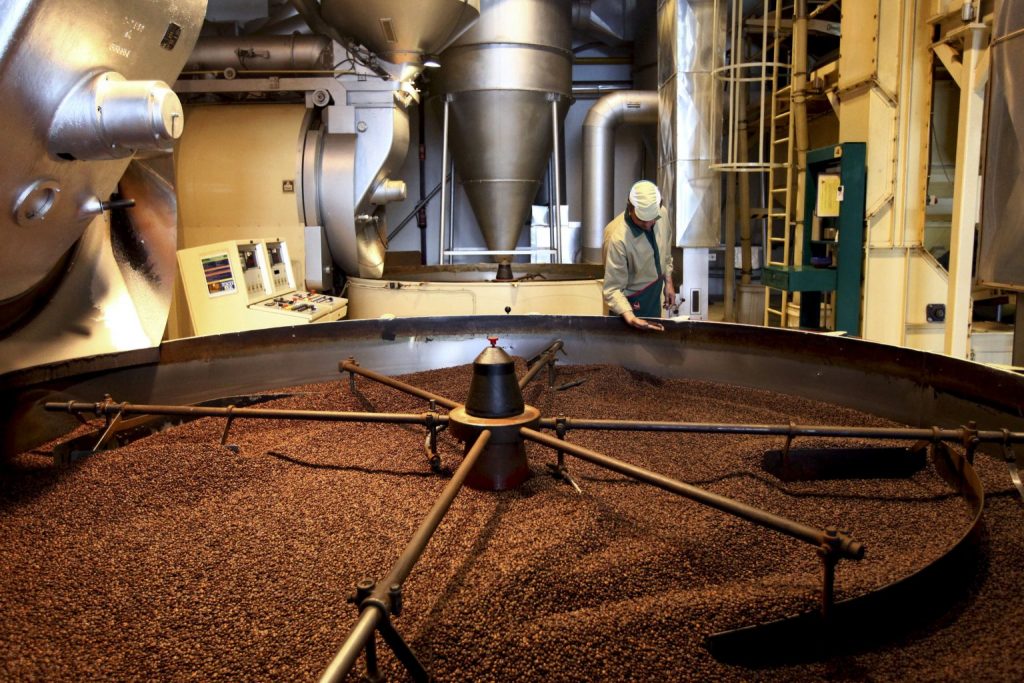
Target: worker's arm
column 667, row 262
column 616, row 277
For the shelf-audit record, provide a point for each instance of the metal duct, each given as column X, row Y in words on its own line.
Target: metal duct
column 261, row 53
column 690, row 119
column 605, row 21
column 500, row 79
column 630, row 107
column 396, row 33
column 279, row 15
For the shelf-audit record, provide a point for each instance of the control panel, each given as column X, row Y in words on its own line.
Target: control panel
column 307, row 306
column 245, row 285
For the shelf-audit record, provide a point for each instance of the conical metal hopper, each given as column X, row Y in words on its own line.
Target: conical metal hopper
column 501, row 79
column 398, row 32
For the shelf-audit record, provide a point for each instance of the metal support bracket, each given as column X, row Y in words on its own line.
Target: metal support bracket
column 828, row 552
column 788, row 445
column 227, row 425
column 351, row 375
column 402, row 650
column 364, row 599
column 364, row 589
column 970, row 440
column 112, row 424
column 430, row 446
column 558, row 469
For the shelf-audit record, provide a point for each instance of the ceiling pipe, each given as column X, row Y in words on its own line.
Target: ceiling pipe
column 624, row 107
column 261, row 53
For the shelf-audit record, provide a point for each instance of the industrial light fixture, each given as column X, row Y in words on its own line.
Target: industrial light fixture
column 431, row 61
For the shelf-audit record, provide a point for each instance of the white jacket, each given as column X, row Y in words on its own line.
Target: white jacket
column 629, row 259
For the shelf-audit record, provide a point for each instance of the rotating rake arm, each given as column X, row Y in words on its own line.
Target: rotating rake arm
column 842, row 544
column 230, row 412
column 962, row 435
column 115, row 412
column 353, row 368
column 378, row 602
column 545, row 358
column 832, row 545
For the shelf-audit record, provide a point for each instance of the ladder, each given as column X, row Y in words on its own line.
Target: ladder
column 779, row 210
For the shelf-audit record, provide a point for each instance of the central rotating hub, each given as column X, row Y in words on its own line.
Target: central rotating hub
column 495, row 403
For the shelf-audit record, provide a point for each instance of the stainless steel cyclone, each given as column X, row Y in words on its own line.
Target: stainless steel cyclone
column 500, row 79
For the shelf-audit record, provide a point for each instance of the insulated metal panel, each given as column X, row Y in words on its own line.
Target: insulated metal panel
column 1002, row 234
column 237, row 168
column 689, row 127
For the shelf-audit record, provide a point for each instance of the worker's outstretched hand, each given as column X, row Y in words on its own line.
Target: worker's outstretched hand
column 641, row 324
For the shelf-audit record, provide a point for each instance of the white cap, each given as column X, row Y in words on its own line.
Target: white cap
column 646, row 200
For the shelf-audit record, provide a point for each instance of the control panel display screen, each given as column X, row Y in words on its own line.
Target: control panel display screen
column 217, row 269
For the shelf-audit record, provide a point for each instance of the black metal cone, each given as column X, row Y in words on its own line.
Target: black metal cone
column 494, row 390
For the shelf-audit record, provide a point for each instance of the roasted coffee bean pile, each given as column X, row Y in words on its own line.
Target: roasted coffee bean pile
column 177, row 558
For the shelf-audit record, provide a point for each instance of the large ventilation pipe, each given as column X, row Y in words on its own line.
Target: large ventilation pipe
column 500, row 80
column 629, row 107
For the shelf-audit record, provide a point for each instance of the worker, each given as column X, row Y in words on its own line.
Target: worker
column 638, row 259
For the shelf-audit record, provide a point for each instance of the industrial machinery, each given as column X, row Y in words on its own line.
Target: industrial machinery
column 335, row 135
column 502, row 93
column 86, row 88
column 109, row 276
column 940, row 398
column 292, row 125
column 298, row 140
column 238, row 286
column 504, row 85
